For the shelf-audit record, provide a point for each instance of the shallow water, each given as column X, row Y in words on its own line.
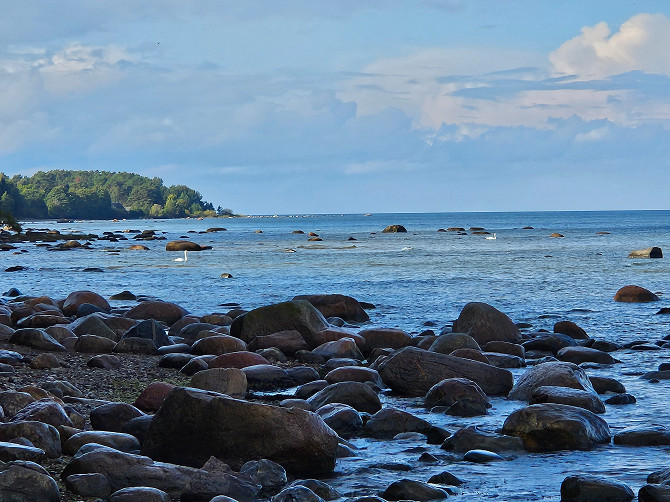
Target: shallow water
column 412, row 278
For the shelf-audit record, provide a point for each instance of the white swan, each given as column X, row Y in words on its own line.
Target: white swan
column 491, row 237
column 185, row 258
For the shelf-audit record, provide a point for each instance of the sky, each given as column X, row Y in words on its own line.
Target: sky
column 346, row 106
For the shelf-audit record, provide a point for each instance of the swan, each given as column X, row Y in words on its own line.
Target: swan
column 491, row 237
column 185, row 258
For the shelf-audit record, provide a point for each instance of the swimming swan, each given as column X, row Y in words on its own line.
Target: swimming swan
column 185, row 258
column 491, row 237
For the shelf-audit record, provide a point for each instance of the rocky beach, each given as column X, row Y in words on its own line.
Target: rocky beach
column 129, row 396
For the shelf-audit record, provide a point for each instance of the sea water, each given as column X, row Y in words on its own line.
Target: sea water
column 413, row 278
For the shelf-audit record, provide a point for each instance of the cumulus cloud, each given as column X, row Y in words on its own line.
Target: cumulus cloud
column 640, row 44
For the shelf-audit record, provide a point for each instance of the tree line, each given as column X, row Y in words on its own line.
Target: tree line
column 99, row 195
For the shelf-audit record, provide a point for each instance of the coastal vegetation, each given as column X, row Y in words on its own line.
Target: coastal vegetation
column 99, row 195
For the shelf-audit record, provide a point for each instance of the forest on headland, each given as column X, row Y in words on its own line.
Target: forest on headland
column 99, row 195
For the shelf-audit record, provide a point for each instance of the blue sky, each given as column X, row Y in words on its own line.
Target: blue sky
column 298, row 106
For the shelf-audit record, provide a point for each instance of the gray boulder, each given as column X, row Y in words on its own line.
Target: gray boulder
column 22, row 481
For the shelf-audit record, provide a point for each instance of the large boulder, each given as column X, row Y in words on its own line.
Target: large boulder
column 571, row 329
column 652, row 252
column 229, row 381
column 77, row 298
column 123, row 470
column 22, row 481
column 184, row 246
column 461, row 397
column 46, row 411
column 36, row 339
column 559, row 374
column 565, row 395
column 590, row 488
column 344, row 307
column 394, row 229
column 41, row 435
column 289, row 342
column 151, row 330
column 389, row 422
column 298, row 315
column 412, row 371
column 92, row 324
column 471, row 438
column 485, row 323
column 548, row 427
column 635, row 294
column 193, row 425
column 358, row 395
column 383, row 338
column 578, row 355
column 167, row 312
column 449, row 342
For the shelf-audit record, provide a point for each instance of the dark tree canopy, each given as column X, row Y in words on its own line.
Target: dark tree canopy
column 97, row 195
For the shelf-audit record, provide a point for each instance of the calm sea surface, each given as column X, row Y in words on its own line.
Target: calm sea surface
column 414, row 277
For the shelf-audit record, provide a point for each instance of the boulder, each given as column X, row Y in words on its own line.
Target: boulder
column 643, row 435
column 104, row 361
column 239, row 360
column 470, row 438
column 153, row 396
column 323, row 490
column 151, row 330
column 167, row 312
column 217, row 345
column 268, row 474
column 117, row 440
column 389, row 422
column 461, row 396
column 485, row 323
column 296, row 315
column 565, row 395
column 193, row 425
column 266, row 377
column 635, row 294
column 482, row 456
column 43, row 436
column 342, row 418
column 412, row 371
column 394, row 229
column 297, row 494
column 578, row 355
column 134, row 345
column 93, row 325
column 46, row 411
column 184, row 246
column 512, row 349
column 548, row 427
column 23, row 481
column 112, row 416
column 407, row 489
column 12, row 401
column 571, row 329
column 359, row 396
column 606, row 384
column 549, row 342
column 191, row 332
column 654, row 493
column 342, row 348
column 229, row 381
column 123, row 470
column 77, row 298
column 380, row 338
column 558, row 374
column 10, row 451
column 590, row 488
column 93, row 344
column 42, row 320
column 344, row 307
column 473, row 354
column 289, row 342
column 36, row 339
column 354, row 374
column 449, row 342
column 652, row 252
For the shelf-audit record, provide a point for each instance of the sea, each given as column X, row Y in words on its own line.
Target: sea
column 416, row 280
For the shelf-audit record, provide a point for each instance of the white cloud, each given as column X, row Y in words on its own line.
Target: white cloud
column 640, row 44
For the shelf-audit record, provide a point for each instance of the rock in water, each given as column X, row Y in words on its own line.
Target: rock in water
column 393, row 229
column 193, row 425
column 298, row 315
column 558, row 374
column 635, row 294
column 588, row 488
column 653, row 252
column 341, row 306
column 412, row 372
column 485, row 323
column 549, row 427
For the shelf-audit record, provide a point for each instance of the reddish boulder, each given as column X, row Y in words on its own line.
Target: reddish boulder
column 485, row 323
column 344, row 307
column 77, row 298
column 167, row 312
column 635, row 294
